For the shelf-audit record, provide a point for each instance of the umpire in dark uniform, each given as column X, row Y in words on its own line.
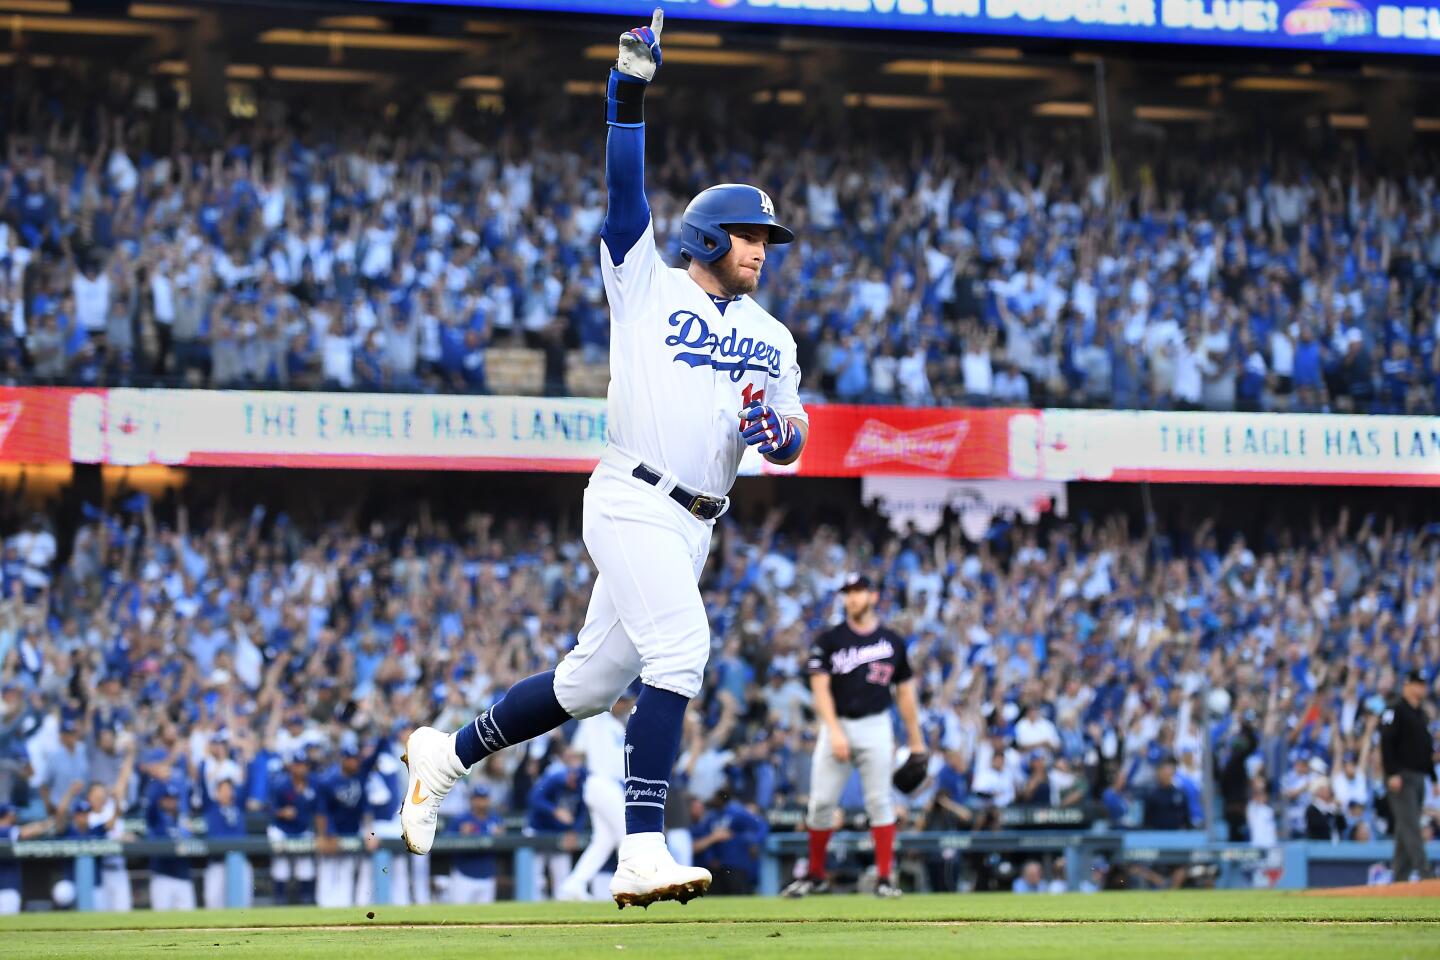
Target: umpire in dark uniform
column 1409, row 758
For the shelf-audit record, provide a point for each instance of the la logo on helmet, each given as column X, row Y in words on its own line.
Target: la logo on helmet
column 766, row 207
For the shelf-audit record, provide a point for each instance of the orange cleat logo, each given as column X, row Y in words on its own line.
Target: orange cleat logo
column 415, row 794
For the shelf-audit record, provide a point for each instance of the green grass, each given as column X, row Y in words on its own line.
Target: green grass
column 1233, row 925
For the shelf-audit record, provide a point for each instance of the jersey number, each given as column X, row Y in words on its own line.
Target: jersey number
column 751, row 395
column 880, row 672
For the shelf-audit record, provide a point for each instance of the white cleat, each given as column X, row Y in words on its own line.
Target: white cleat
column 652, row 876
column 434, row 771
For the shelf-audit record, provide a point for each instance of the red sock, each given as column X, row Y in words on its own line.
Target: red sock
column 819, row 842
column 884, row 849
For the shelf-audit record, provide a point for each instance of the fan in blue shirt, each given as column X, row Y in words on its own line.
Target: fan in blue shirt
column 555, row 805
column 292, row 802
column 729, row 839
column 292, row 797
column 479, row 821
column 163, row 821
column 341, row 807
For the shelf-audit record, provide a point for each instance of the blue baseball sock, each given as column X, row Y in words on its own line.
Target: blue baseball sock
column 526, row 711
column 652, row 742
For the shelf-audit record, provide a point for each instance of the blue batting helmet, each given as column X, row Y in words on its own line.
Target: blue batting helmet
column 703, row 235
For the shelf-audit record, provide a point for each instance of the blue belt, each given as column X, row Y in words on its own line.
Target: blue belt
column 696, row 504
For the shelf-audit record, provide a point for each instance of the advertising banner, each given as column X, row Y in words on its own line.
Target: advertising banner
column 1366, row 26
column 853, row 441
column 128, row 427
column 33, row 424
column 410, row 432
column 1294, row 448
column 373, row 431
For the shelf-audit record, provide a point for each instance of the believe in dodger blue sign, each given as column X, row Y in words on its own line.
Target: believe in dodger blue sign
column 1351, row 25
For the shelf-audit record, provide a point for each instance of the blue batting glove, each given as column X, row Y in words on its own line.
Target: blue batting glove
column 762, row 427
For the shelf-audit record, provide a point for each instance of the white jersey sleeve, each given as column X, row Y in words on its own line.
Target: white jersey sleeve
column 632, row 283
column 785, row 394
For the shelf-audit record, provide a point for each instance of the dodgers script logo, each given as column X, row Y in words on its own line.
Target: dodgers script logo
column 749, row 354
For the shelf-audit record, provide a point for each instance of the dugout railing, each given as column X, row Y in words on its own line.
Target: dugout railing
column 1297, row 864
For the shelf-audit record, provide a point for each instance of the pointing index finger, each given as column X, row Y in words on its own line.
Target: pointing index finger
column 657, row 22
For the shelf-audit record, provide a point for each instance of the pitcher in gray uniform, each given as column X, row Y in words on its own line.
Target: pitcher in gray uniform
column 853, row 667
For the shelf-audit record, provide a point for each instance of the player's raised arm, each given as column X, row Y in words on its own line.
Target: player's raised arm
column 628, row 212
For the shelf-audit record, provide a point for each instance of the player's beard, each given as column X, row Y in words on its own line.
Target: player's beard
column 736, row 279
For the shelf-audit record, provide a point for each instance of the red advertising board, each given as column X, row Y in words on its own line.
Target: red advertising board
column 851, row 441
column 35, row 424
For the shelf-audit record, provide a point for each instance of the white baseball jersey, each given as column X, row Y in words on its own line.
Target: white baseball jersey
column 601, row 740
column 681, row 371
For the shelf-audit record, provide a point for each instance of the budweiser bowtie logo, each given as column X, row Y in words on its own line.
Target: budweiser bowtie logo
column 932, row 448
column 9, row 416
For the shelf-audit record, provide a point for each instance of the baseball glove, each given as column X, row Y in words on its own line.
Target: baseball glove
column 911, row 773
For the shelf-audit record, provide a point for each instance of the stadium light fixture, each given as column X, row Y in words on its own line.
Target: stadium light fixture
column 692, row 38
column 352, row 22
column 81, row 26
column 341, row 39
column 997, row 53
column 233, row 71
column 39, row 61
column 894, row 101
column 596, row 88
column 162, row 11
column 1281, row 85
column 1348, row 121
column 704, row 58
column 1156, row 114
column 1063, row 108
column 35, row 6
column 481, row 82
column 324, row 75
column 976, row 71
column 785, row 98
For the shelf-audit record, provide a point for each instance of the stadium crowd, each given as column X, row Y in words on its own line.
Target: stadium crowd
column 142, row 246
column 255, row 669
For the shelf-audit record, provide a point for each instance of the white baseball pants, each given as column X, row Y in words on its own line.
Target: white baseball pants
column 682, row 845
column 115, row 890
column 465, row 890
column 215, row 877
column 9, row 902
column 872, row 751
column 171, row 893
column 335, row 881
column 285, row 866
column 551, row 869
column 409, row 880
column 646, row 617
column 606, row 802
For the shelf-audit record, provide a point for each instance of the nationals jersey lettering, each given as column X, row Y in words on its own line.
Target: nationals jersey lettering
column 843, row 661
column 681, row 370
column 861, row 667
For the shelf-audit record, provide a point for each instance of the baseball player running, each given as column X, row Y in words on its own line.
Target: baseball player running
column 852, row 667
column 698, row 372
